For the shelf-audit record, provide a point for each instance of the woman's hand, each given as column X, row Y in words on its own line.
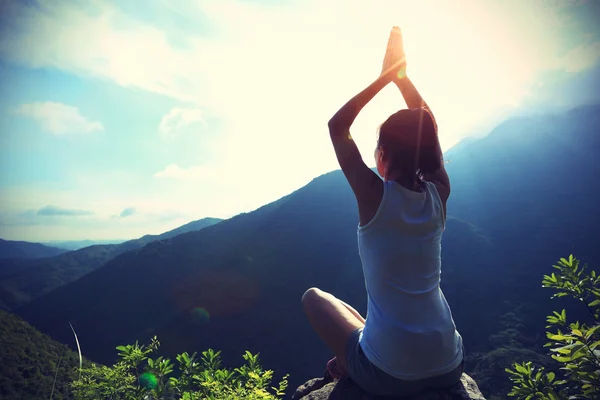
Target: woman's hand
column 394, row 61
column 394, row 67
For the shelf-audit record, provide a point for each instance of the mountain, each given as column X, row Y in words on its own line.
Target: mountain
column 522, row 197
column 22, row 281
column 79, row 244
column 189, row 227
column 16, row 249
column 29, row 362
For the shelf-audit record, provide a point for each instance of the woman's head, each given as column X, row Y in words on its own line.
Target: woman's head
column 407, row 144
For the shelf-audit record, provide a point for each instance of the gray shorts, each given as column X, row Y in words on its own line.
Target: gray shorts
column 374, row 381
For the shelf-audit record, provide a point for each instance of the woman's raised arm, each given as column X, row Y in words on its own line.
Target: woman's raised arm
column 366, row 185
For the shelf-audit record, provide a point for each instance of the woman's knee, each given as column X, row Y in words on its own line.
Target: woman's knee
column 311, row 297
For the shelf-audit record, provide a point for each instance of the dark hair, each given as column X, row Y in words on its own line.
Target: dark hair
column 409, row 140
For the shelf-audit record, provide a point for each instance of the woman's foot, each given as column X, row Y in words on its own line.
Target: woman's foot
column 335, row 370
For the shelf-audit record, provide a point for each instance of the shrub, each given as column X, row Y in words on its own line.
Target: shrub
column 137, row 376
column 573, row 345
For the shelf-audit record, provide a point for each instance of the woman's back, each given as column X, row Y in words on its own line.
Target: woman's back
column 409, row 331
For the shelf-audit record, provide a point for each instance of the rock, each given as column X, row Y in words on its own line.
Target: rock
column 345, row 389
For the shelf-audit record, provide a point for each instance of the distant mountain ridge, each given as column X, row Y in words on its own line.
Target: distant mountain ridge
column 72, row 245
column 23, row 280
column 79, row 244
column 189, row 227
column 19, row 249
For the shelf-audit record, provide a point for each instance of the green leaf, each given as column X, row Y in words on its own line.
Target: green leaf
column 562, row 359
column 562, row 350
column 520, row 368
column 594, row 303
column 551, row 376
column 595, row 344
column 559, row 338
column 591, row 331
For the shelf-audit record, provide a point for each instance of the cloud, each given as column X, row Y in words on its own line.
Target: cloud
column 172, row 124
column 236, row 70
column 270, row 77
column 57, row 211
column 193, row 173
column 97, row 39
column 160, row 207
column 58, row 118
column 127, row 212
column 581, row 58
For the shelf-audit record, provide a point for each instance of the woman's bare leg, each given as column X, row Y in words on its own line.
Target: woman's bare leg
column 353, row 311
column 333, row 320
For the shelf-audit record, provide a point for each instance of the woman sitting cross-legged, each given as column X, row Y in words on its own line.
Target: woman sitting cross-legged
column 408, row 341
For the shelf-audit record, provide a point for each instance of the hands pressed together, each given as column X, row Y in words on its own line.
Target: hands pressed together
column 393, row 70
column 394, row 62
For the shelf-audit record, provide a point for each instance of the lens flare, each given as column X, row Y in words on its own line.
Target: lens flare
column 200, row 316
column 148, row 380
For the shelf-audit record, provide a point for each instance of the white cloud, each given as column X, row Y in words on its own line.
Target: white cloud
column 322, row 53
column 58, row 118
column 161, row 205
column 193, row 173
column 173, row 123
column 127, row 212
column 581, row 58
column 272, row 76
column 283, row 83
column 53, row 211
column 95, row 38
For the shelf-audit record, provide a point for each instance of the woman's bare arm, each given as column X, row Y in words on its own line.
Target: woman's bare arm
column 411, row 95
column 344, row 118
column 366, row 185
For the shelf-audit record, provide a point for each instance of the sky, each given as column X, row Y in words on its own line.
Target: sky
column 124, row 118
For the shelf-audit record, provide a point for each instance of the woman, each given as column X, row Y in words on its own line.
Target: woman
column 408, row 342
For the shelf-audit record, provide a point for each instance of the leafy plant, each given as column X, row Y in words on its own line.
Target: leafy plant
column 573, row 345
column 138, row 376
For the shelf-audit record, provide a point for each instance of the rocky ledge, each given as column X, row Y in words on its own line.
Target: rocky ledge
column 345, row 389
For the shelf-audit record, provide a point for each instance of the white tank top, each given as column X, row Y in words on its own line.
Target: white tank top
column 409, row 331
